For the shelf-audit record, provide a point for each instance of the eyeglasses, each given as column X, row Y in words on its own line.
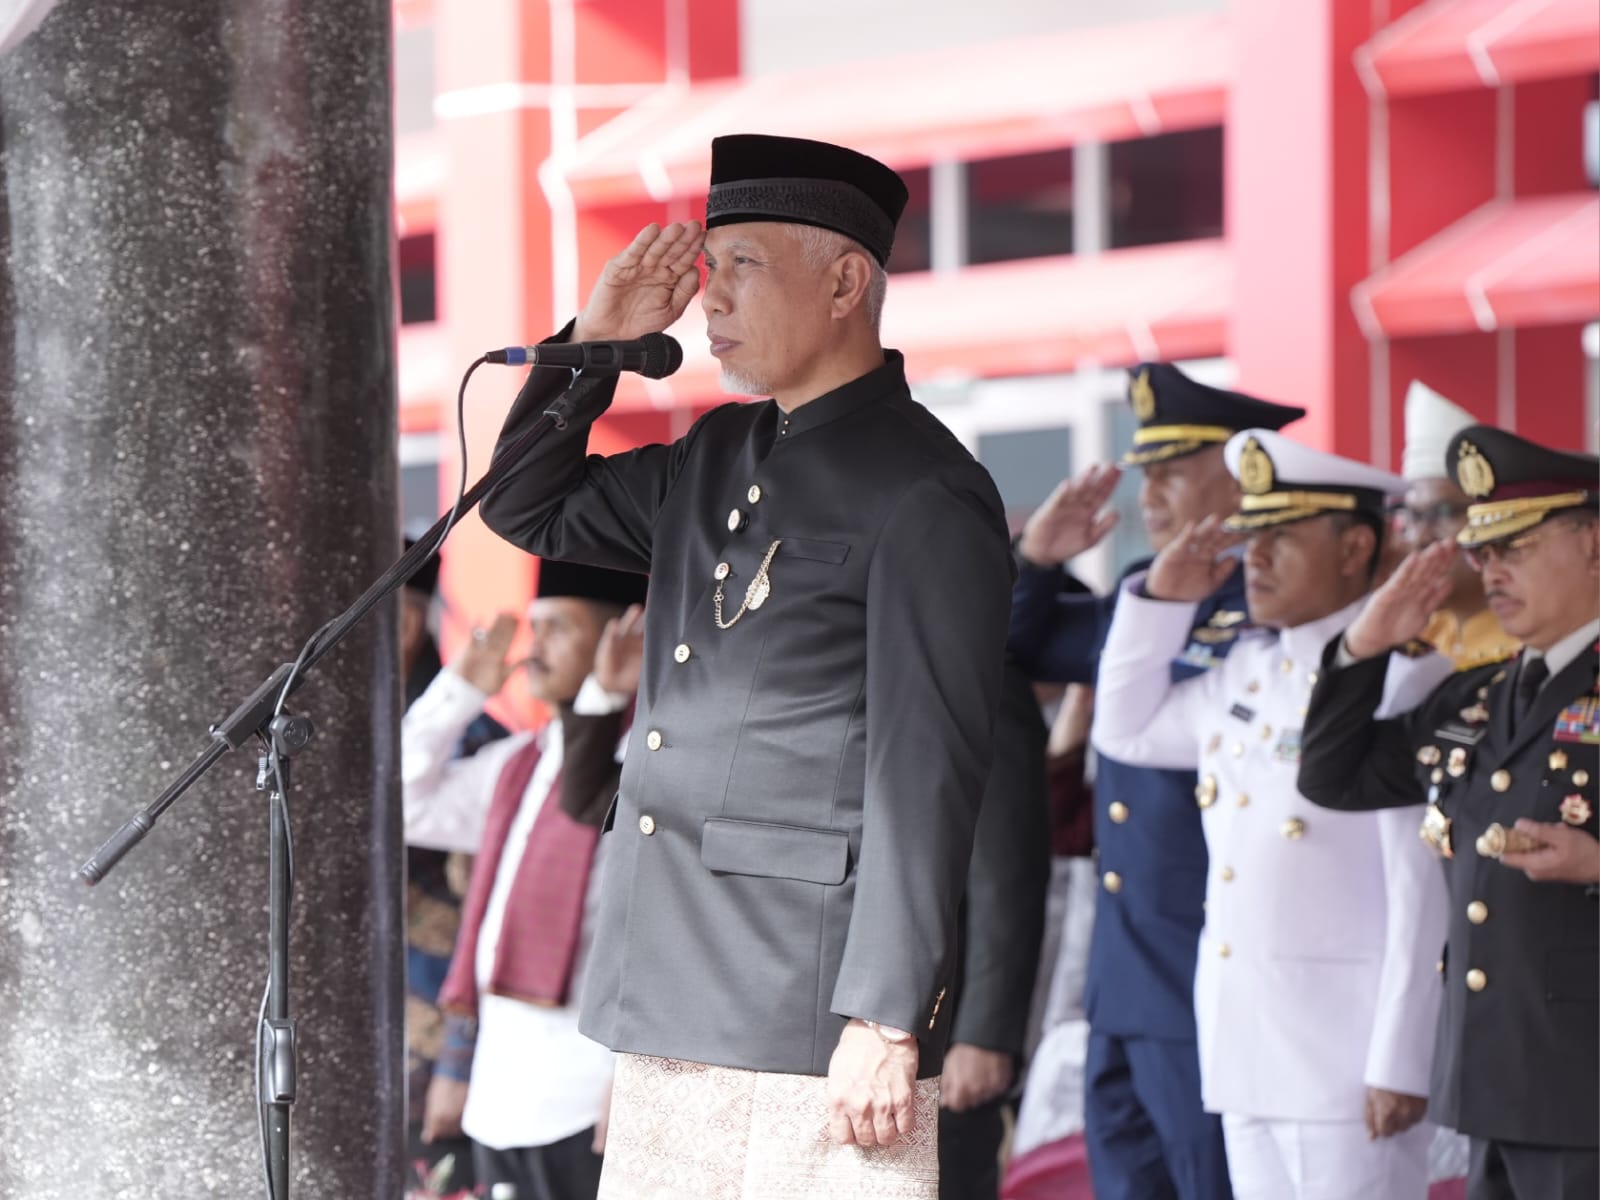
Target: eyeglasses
column 1510, row 553
column 1432, row 516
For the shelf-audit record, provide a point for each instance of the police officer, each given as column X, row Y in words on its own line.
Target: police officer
column 1147, row 1133
column 829, row 580
column 1312, row 1000
column 1508, row 757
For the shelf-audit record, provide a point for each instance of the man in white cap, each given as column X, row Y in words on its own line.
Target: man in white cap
column 1315, row 997
column 1435, row 510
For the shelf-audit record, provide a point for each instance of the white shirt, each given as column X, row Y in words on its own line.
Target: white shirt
column 535, row 1078
column 1315, row 976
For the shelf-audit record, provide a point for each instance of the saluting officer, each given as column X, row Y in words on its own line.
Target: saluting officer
column 1312, row 998
column 1507, row 756
column 829, row 579
column 1148, row 1135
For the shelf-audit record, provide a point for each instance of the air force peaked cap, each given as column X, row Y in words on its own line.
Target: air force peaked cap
column 1283, row 481
column 1514, row 483
column 755, row 177
column 1178, row 416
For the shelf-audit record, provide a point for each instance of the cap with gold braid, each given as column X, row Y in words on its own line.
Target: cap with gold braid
column 1178, row 416
column 1514, row 483
column 1284, row 481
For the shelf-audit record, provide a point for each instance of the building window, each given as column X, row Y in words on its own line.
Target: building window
column 417, row 273
column 1019, row 207
column 913, row 238
column 1166, row 188
column 1026, row 465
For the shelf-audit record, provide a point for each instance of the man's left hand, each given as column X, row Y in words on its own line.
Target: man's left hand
column 872, row 1086
column 973, row 1076
column 1567, row 855
column 1389, row 1113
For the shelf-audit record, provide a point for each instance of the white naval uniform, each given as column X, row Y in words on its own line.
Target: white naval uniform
column 1316, row 973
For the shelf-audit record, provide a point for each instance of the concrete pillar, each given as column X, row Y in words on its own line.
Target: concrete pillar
column 197, row 467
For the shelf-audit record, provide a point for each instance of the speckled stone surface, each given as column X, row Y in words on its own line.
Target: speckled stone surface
column 197, row 432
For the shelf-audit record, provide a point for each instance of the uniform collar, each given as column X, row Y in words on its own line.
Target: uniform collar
column 1565, row 652
column 1306, row 642
column 842, row 401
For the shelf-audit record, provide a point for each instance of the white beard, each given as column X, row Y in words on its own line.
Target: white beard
column 743, row 385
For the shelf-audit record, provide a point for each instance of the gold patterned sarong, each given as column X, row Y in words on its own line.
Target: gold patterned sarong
column 686, row 1131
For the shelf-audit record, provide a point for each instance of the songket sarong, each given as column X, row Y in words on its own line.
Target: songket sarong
column 686, row 1131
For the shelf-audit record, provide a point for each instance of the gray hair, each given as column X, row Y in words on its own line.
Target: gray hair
column 819, row 247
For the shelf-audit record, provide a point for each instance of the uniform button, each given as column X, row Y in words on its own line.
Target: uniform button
column 681, row 654
column 1287, row 666
column 737, row 520
column 1294, row 829
column 1439, row 966
column 1237, row 749
column 1500, row 781
column 1223, row 950
column 1119, row 812
column 1476, row 980
column 1227, row 874
column 1113, row 882
column 1266, row 733
column 723, row 571
column 1244, row 799
column 653, row 739
column 1580, row 777
column 647, row 824
column 1477, row 912
column 1205, row 792
column 754, row 494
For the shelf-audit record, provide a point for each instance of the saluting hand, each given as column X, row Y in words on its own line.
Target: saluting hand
column 646, row 287
column 1072, row 519
column 619, row 657
column 1399, row 610
column 1566, row 855
column 1189, row 567
column 484, row 660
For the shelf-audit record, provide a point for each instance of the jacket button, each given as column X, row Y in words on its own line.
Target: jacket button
column 653, row 739
column 754, row 494
column 647, row 824
column 1500, row 781
column 1227, row 874
column 1113, row 882
column 723, row 571
column 1223, row 950
column 1476, row 980
column 737, row 520
column 681, row 654
column 1118, row 812
column 1244, row 799
column 1294, row 829
column 1477, row 912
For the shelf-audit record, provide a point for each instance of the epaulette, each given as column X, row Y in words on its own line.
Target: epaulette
column 1488, row 658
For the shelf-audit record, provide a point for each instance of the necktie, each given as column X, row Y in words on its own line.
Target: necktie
column 1529, row 680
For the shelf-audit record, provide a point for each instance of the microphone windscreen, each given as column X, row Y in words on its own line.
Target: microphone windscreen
column 662, row 355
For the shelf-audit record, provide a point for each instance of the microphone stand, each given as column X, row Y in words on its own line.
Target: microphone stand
column 283, row 734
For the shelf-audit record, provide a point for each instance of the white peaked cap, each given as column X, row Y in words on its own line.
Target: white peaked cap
column 1431, row 421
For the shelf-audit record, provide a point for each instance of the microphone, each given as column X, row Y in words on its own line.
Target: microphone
column 654, row 356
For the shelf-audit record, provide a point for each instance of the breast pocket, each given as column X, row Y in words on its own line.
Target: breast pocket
column 773, row 851
column 814, row 549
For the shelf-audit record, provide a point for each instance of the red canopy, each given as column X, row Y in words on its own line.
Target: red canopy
column 1447, row 45
column 1533, row 261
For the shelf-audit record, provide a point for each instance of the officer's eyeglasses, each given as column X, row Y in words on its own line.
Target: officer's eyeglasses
column 1511, row 553
column 1443, row 515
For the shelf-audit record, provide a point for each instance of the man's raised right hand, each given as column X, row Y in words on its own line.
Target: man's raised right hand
column 646, row 287
column 1073, row 518
column 1399, row 610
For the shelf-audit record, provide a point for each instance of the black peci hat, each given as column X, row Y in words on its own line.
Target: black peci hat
column 1178, row 416
column 580, row 582
column 755, row 177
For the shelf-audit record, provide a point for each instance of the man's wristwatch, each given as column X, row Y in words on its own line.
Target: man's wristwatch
column 889, row 1033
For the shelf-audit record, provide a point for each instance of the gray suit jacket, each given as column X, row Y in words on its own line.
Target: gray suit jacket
column 792, row 835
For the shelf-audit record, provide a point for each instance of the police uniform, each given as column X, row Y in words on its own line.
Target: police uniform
column 1517, row 1066
column 823, row 655
column 1311, row 984
column 1147, row 1133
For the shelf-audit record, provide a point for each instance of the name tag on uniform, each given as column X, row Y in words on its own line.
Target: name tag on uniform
column 1288, row 747
column 1243, row 712
column 1461, row 734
